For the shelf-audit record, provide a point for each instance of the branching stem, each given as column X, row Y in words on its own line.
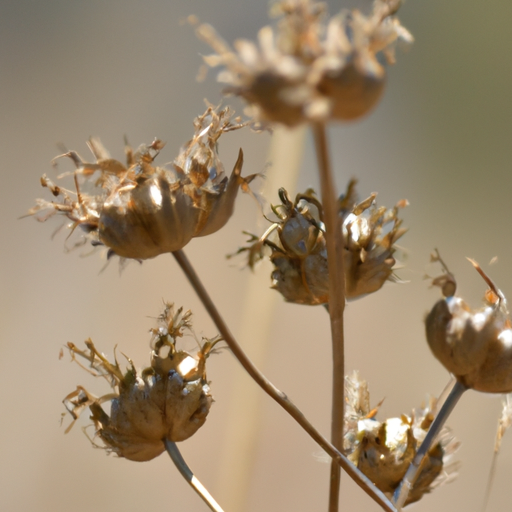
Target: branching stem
column 187, row 474
column 275, row 393
column 335, row 248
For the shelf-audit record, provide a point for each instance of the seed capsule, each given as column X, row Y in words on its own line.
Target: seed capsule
column 474, row 345
column 141, row 210
column 299, row 254
column 308, row 68
column 384, row 450
column 170, row 399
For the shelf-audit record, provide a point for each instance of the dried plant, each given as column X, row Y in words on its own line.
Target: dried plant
column 168, row 400
column 305, row 69
column 141, row 211
column 299, row 254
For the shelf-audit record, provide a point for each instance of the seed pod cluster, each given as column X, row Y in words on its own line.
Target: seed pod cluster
column 138, row 210
column 170, row 399
column 384, row 450
column 475, row 345
column 299, row 254
column 306, row 69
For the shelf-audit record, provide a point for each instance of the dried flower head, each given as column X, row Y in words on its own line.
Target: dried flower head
column 474, row 345
column 170, row 399
column 307, row 69
column 299, row 252
column 140, row 211
column 383, row 451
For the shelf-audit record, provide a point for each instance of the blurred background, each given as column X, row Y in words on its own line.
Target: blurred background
column 440, row 138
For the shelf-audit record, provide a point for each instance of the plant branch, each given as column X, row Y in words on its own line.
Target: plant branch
column 402, row 491
column 187, row 474
column 335, row 248
column 280, row 397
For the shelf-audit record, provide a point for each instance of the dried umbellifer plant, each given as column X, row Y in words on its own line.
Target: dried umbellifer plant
column 306, row 69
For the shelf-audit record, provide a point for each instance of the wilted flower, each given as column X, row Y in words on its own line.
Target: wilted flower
column 474, row 345
column 383, row 451
column 299, row 253
column 141, row 211
column 170, row 399
column 306, row 69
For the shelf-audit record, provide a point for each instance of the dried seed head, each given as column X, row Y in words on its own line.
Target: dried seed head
column 369, row 234
column 474, row 345
column 299, row 253
column 170, row 399
column 141, row 211
column 307, row 69
column 383, row 451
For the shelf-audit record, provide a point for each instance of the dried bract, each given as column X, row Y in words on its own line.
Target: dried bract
column 299, row 252
column 309, row 69
column 140, row 211
column 474, row 345
column 170, row 399
column 383, row 451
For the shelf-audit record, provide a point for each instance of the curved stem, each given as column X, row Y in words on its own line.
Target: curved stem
column 272, row 391
column 335, row 248
column 402, row 492
column 187, row 474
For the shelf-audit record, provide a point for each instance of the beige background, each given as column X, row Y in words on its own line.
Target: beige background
column 441, row 138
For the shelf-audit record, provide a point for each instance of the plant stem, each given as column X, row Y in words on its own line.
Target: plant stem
column 275, row 393
column 187, row 474
column 414, row 470
column 335, row 249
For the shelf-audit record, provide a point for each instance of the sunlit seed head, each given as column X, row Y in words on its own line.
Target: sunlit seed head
column 309, row 68
column 169, row 399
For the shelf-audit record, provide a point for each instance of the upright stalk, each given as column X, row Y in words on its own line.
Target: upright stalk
column 257, row 312
column 280, row 397
column 335, row 248
column 187, row 474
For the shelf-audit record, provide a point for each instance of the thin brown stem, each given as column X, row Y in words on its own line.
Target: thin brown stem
column 335, row 248
column 275, row 393
column 187, row 474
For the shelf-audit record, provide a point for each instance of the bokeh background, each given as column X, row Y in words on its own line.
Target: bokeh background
column 441, row 138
